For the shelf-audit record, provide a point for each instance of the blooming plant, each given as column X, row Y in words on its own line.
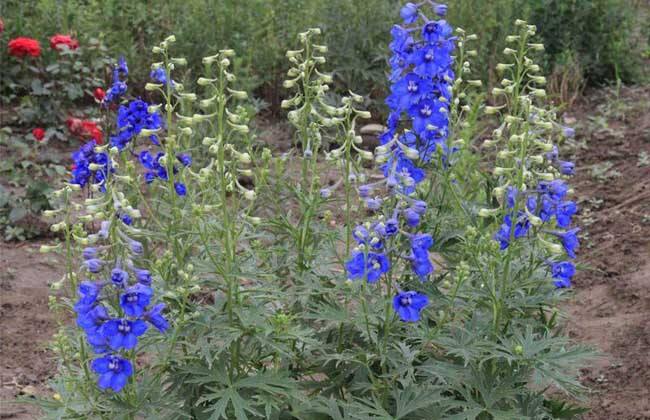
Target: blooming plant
column 308, row 285
column 42, row 90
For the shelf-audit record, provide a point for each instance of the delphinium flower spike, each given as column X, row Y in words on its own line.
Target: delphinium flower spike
column 417, row 131
column 533, row 191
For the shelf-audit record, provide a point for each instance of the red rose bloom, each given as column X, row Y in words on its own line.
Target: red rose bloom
column 21, row 46
column 38, row 133
column 99, row 94
column 57, row 41
column 90, row 129
column 85, row 129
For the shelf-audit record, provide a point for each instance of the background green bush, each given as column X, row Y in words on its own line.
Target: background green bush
column 598, row 40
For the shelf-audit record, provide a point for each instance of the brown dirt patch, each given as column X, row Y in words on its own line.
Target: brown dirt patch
column 611, row 308
column 26, row 325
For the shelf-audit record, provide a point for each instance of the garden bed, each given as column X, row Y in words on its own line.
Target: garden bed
column 609, row 310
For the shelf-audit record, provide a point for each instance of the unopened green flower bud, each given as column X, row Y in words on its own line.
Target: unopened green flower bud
column 490, row 110
column 500, row 171
column 49, row 248
column 152, row 86
column 58, row 226
column 188, row 96
column 488, row 212
column 250, row 195
column 179, row 61
column 509, row 51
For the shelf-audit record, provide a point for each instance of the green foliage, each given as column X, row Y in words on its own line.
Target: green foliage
column 605, row 36
column 24, row 190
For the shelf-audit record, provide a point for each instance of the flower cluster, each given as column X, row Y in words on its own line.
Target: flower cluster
column 114, row 310
column 90, row 166
column 23, row 46
column 131, row 120
column 60, row 42
column 85, row 129
column 118, row 86
column 421, row 79
column 530, row 159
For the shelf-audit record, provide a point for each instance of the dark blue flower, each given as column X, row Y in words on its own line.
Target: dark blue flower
column 155, row 317
column 89, row 253
column 180, row 188
column 136, row 247
column 114, row 372
column 122, row 67
column 412, row 217
column 135, row 300
column 421, row 241
column 119, row 277
column 159, row 75
column 371, row 268
column 408, row 305
column 391, row 227
column 440, row 9
column 185, row 159
column 408, row 90
column 420, row 263
column 143, row 276
column 126, row 219
column 123, row 333
column 94, row 265
column 91, row 320
column 562, row 273
column 567, row 168
column 564, row 212
column 409, row 13
column 569, row 240
column 507, row 230
column 88, row 292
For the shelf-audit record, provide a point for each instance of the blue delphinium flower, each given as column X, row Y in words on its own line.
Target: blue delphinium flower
column 155, row 317
column 408, row 305
column 409, row 13
column 180, row 188
column 94, row 265
column 136, row 247
column 135, row 300
column 119, row 277
column 132, row 119
column 569, row 241
column 143, row 276
column 371, row 267
column 123, row 333
column 118, row 87
column 185, row 159
column 159, row 76
column 82, row 159
column 562, row 273
column 114, row 371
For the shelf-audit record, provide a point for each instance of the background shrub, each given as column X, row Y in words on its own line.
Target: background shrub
column 603, row 39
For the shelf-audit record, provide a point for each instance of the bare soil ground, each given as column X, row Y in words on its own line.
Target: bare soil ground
column 610, row 309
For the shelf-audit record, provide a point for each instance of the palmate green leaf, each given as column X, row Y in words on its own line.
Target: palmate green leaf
column 416, row 398
column 257, row 385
